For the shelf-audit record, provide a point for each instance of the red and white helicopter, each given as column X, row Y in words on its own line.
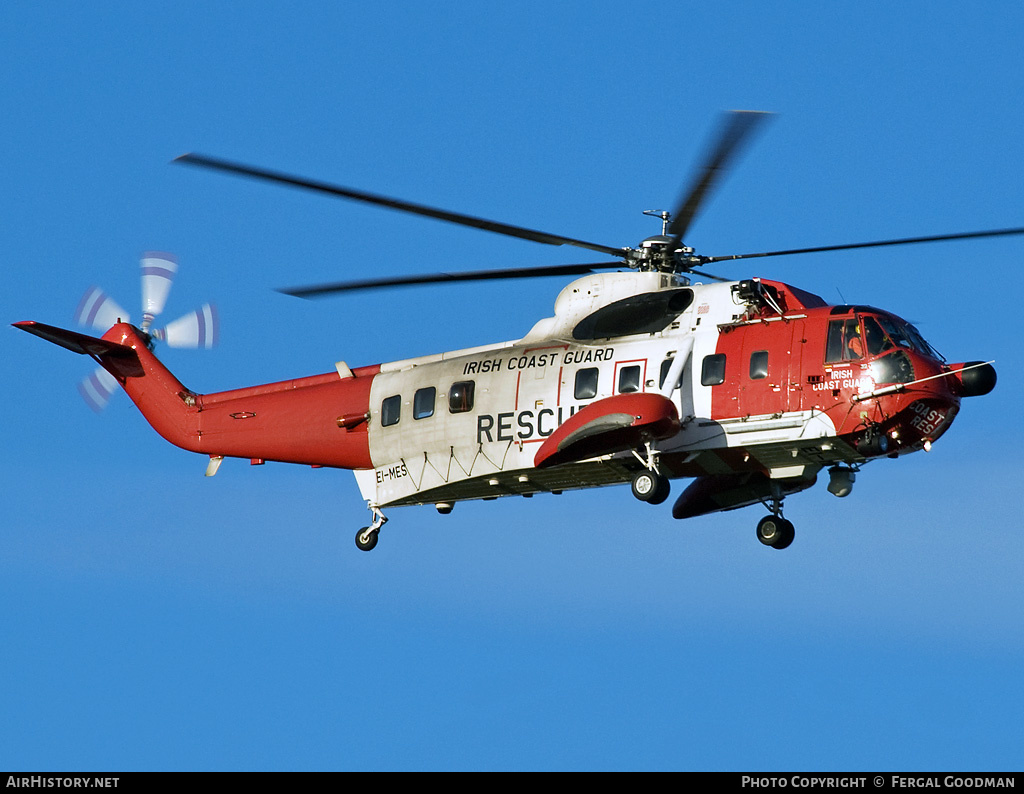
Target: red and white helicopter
column 749, row 388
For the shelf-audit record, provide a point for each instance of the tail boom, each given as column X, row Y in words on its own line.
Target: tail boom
column 307, row 420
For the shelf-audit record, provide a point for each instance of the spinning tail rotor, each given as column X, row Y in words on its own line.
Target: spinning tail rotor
column 158, row 271
column 98, row 311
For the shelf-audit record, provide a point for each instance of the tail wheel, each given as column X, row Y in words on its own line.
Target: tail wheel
column 366, row 538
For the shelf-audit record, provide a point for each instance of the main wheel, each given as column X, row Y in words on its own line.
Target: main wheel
column 775, row 531
column 661, row 491
column 366, row 538
column 645, row 486
column 788, row 534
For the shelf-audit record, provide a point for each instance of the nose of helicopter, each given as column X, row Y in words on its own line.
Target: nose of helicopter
column 974, row 378
column 936, row 403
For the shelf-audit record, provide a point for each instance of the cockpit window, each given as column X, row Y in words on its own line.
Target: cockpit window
column 875, row 338
column 844, row 341
column 922, row 344
column 896, row 334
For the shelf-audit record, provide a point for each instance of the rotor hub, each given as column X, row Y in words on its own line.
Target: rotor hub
column 661, row 253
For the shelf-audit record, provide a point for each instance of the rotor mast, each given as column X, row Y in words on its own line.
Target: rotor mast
column 661, row 252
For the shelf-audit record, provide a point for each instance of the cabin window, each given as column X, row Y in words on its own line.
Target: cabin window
column 629, row 379
column 666, row 365
column 759, row 364
column 712, row 371
column 586, row 383
column 844, row 342
column 423, row 403
column 460, row 396
column 391, row 410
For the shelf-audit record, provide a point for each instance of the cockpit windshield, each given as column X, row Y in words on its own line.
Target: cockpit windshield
column 922, row 344
column 884, row 333
column 876, row 338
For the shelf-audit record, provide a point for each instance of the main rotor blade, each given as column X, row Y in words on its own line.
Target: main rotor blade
column 736, row 128
column 902, row 241
column 395, row 204
column 320, row 290
column 711, row 276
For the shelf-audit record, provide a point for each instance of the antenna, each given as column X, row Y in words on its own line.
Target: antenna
column 665, row 216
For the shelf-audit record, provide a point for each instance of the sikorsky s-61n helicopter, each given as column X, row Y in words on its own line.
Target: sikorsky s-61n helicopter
column 750, row 388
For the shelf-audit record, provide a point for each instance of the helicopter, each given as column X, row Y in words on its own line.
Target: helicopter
column 644, row 374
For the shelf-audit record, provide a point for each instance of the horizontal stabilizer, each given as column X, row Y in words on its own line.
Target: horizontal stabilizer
column 76, row 342
column 614, row 424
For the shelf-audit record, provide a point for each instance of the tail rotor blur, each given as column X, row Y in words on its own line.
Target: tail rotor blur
column 197, row 329
column 158, row 271
column 97, row 389
column 98, row 311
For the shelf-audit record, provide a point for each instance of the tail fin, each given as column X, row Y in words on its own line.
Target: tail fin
column 123, row 352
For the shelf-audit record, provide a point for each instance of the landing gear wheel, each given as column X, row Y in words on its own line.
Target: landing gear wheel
column 366, row 538
column 661, row 492
column 775, row 531
column 651, row 487
column 788, row 534
column 644, row 485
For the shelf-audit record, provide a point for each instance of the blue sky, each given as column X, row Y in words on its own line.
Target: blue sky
column 155, row 619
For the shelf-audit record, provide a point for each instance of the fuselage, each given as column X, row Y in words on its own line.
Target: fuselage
column 760, row 385
column 771, row 383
